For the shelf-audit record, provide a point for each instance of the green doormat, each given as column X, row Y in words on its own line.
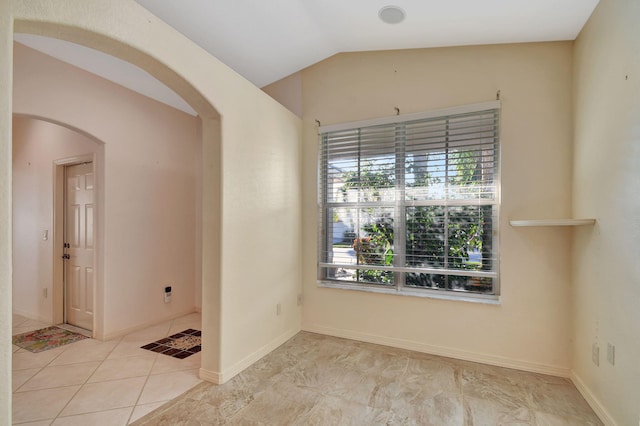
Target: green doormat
column 46, row 338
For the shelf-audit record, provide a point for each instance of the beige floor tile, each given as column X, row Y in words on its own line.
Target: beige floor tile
column 162, row 387
column 489, row 412
column 94, row 397
column 150, row 333
column 318, row 380
column 177, row 328
column 19, row 377
column 123, row 368
column 85, row 351
column 30, row 325
column 548, row 419
column 125, row 349
column 118, row 417
column 337, row 411
column 23, row 359
column 39, row 423
column 167, row 364
column 17, row 319
column 144, row 409
column 41, row 404
column 61, row 375
column 195, row 317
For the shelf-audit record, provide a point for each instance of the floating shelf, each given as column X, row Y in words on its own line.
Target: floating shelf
column 552, row 222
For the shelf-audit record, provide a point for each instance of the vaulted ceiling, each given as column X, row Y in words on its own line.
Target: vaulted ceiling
column 267, row 40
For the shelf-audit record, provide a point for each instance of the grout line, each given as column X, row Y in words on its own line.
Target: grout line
column 148, row 375
column 87, row 379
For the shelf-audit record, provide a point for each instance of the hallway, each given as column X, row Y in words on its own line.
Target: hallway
column 99, row 383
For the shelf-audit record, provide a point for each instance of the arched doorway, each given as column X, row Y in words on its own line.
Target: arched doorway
column 251, row 173
column 60, row 27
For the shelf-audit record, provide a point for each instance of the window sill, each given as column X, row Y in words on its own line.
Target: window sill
column 429, row 294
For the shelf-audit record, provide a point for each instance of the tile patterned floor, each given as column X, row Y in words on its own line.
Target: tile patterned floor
column 99, row 383
column 321, row 380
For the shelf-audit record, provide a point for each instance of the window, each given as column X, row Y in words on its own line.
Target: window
column 410, row 203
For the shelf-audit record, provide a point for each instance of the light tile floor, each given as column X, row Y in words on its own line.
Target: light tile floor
column 321, row 380
column 99, row 383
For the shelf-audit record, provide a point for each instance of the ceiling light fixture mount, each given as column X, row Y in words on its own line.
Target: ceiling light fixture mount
column 391, row 15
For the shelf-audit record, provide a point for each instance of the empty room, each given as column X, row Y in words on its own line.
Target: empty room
column 311, row 212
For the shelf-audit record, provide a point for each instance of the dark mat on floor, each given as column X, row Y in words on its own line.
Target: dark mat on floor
column 179, row 345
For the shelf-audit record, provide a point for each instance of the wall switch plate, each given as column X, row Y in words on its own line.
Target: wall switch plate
column 45, row 235
column 611, row 354
column 595, row 354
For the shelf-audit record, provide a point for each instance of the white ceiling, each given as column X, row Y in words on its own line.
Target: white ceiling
column 267, row 40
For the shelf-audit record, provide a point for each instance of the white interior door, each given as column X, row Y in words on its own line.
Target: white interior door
column 79, row 245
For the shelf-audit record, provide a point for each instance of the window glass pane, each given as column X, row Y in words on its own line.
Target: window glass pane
column 361, row 237
column 374, row 242
column 351, row 275
column 468, row 237
column 425, row 175
column 341, row 274
column 425, row 237
column 342, row 226
column 425, row 280
column 470, row 284
column 367, row 180
column 482, row 285
column 470, row 173
column 375, row 277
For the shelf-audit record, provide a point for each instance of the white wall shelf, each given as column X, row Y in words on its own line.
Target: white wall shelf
column 552, row 222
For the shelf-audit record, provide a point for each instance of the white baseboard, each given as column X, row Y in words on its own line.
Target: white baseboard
column 226, row 375
column 210, row 376
column 442, row 351
column 124, row 332
column 594, row 402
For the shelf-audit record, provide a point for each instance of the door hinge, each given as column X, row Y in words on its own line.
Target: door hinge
column 67, row 245
column 66, row 256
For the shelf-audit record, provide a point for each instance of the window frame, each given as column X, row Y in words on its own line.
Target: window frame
column 400, row 207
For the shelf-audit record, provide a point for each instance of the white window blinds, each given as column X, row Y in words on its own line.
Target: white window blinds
column 411, row 202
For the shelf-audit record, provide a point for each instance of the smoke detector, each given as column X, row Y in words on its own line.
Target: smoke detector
column 391, row 14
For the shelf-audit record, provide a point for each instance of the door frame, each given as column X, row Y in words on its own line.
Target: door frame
column 57, row 298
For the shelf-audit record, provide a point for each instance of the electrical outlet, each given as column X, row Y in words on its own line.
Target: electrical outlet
column 278, row 309
column 611, row 354
column 595, row 354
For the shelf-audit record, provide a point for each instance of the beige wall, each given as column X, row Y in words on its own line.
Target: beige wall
column 250, row 168
column 606, row 290
column 288, row 91
column 6, row 77
column 147, row 208
column 530, row 328
column 36, row 145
